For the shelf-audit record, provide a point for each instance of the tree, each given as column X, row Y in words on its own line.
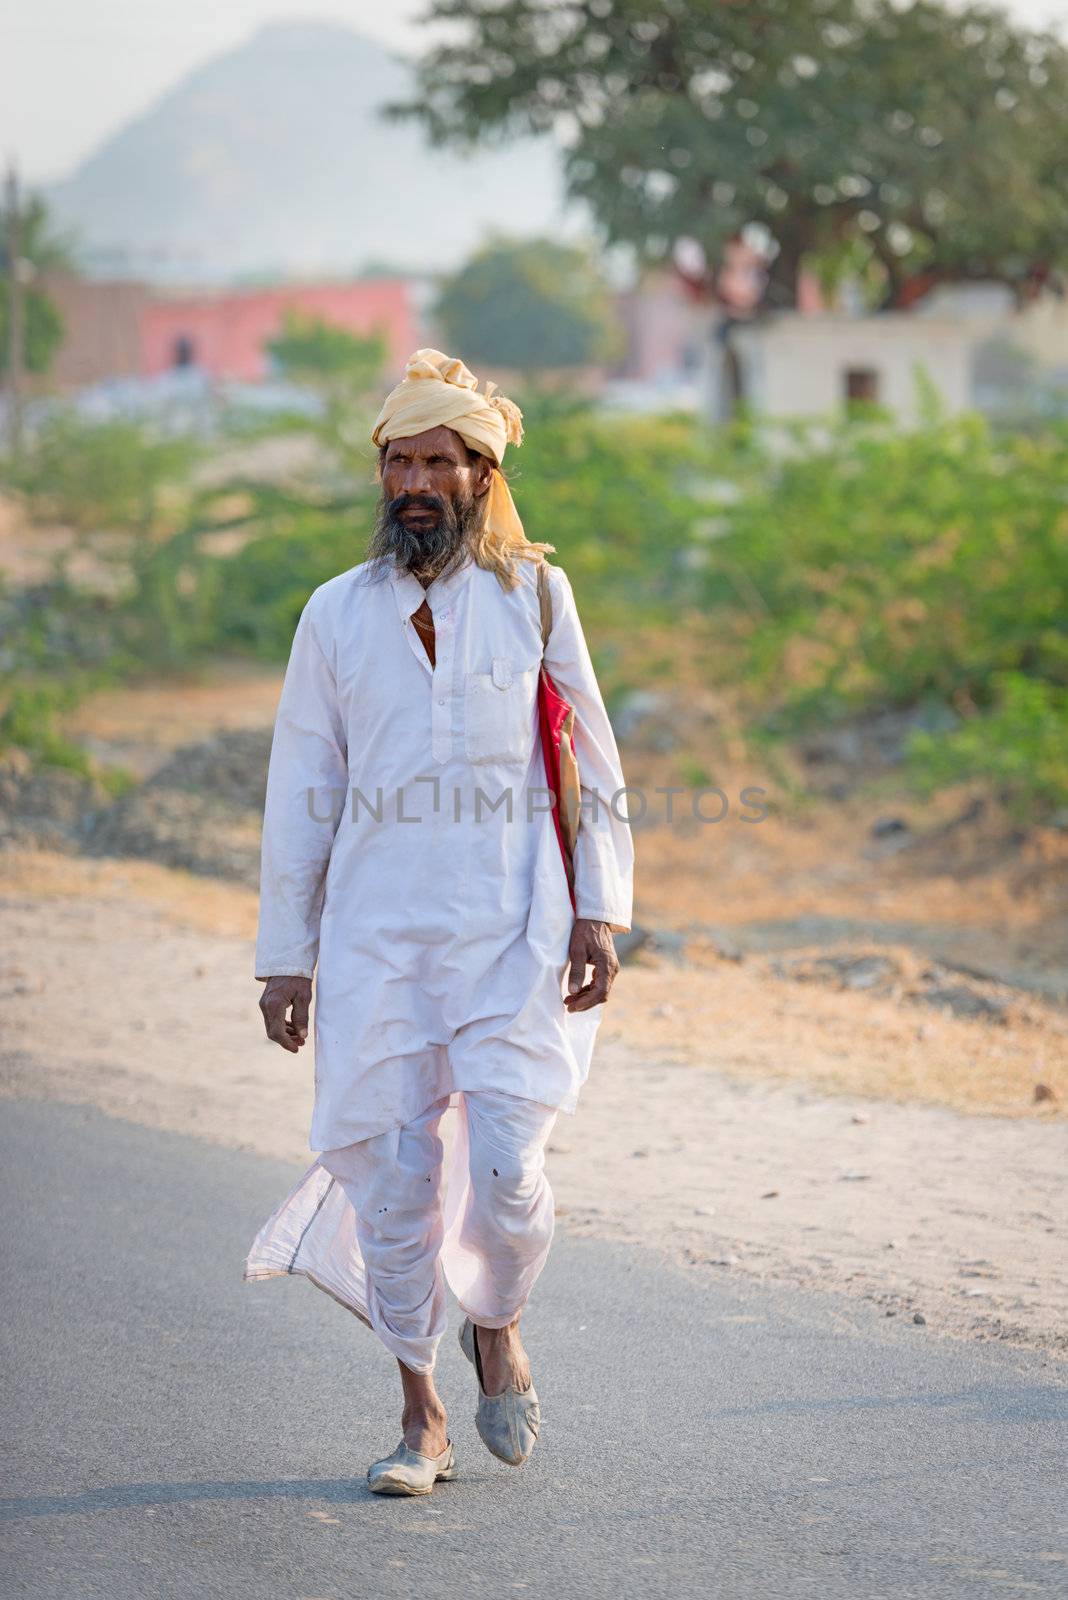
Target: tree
column 931, row 139
column 44, row 329
column 314, row 351
column 528, row 304
column 342, row 368
column 40, row 250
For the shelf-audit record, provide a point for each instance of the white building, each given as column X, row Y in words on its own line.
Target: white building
column 976, row 350
column 795, row 365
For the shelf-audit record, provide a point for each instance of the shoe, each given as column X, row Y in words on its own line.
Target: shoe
column 407, row 1472
column 507, row 1423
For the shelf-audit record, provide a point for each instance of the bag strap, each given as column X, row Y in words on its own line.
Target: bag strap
column 545, row 602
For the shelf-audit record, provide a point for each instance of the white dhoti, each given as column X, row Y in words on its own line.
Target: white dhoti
column 382, row 1227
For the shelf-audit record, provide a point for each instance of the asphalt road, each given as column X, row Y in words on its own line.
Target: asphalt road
column 171, row 1431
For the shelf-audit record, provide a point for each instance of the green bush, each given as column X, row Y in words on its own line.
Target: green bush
column 612, row 496
column 28, row 721
column 1019, row 747
column 870, row 568
column 98, row 477
column 265, row 586
column 846, row 570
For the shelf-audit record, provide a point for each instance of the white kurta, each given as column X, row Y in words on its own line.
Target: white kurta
column 409, row 849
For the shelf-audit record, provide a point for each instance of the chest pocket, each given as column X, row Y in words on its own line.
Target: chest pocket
column 499, row 713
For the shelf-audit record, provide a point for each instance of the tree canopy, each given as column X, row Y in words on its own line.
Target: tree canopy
column 532, row 305
column 927, row 142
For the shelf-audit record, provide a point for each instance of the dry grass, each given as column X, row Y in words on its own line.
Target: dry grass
column 204, row 905
column 181, row 710
column 821, row 862
column 741, row 1019
column 745, row 1021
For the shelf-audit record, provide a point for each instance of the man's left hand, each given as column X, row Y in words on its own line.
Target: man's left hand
column 591, row 946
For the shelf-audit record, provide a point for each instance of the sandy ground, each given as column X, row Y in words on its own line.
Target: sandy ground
column 745, row 1122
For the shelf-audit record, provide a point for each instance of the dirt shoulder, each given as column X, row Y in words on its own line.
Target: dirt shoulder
column 731, row 1118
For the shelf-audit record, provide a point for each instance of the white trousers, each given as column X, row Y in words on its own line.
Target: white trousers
column 382, row 1226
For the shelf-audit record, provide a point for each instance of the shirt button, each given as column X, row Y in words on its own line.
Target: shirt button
column 441, row 702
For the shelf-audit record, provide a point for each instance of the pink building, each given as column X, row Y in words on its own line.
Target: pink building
column 226, row 332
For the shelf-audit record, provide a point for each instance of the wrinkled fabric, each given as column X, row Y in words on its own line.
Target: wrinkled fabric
column 439, row 391
column 409, row 847
column 382, row 1228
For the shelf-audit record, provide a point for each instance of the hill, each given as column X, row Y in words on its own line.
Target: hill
column 274, row 157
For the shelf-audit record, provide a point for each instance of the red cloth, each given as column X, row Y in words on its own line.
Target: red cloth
column 553, row 712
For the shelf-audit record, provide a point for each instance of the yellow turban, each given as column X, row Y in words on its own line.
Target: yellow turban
column 439, row 391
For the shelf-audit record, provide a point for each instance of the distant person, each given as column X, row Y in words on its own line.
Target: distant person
column 410, row 847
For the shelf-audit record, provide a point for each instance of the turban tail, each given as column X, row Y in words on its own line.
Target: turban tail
column 438, row 391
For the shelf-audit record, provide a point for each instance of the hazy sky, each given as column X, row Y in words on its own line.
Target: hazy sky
column 72, row 71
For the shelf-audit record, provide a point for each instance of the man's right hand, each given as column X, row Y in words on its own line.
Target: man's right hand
column 279, row 995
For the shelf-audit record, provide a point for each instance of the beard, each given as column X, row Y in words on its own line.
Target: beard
column 431, row 549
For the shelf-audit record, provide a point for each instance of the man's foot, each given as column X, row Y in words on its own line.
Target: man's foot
column 502, row 1359
column 407, row 1472
column 424, row 1428
column 508, row 1418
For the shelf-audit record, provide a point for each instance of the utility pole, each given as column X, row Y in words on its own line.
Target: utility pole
column 16, row 326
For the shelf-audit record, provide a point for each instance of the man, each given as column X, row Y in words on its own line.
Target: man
column 409, row 848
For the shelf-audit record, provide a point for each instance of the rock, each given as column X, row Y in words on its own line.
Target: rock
column 628, row 944
column 919, row 1319
column 973, row 811
column 635, row 708
column 16, row 768
column 886, row 827
column 877, row 740
column 724, row 944
column 231, row 766
column 704, row 1211
column 855, row 1177
column 960, row 1001
column 197, row 833
column 667, row 942
column 659, row 941
column 42, row 806
column 770, row 1194
column 201, row 811
column 649, row 720
column 866, row 972
column 861, row 1117
column 639, row 1153
column 858, row 972
column 1043, row 1092
column 723, row 1261
column 842, row 745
